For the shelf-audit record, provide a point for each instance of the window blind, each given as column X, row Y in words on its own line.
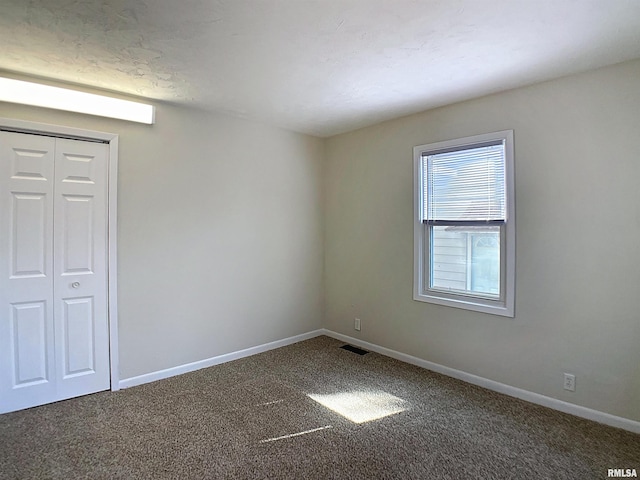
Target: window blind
column 465, row 186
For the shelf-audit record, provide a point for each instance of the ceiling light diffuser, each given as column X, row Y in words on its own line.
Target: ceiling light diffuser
column 27, row 93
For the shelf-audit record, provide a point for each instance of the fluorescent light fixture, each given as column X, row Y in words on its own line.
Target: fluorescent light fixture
column 27, row 93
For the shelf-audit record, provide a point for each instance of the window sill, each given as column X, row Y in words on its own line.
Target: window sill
column 466, row 303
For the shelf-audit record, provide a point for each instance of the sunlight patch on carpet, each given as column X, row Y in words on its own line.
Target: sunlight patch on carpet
column 362, row 406
column 266, row 404
column 295, row 434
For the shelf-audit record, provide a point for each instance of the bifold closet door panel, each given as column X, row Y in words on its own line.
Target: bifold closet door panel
column 80, row 282
column 27, row 356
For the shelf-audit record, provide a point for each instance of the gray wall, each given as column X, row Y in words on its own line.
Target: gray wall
column 577, row 155
column 223, row 241
column 219, row 234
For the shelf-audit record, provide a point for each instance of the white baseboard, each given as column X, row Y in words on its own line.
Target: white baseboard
column 553, row 403
column 209, row 362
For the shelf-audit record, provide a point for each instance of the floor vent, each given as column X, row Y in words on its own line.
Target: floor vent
column 353, row 349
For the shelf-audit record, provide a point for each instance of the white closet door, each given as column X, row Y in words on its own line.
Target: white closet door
column 53, row 279
column 27, row 373
column 80, row 268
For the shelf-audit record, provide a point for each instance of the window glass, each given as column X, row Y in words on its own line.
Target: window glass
column 465, row 223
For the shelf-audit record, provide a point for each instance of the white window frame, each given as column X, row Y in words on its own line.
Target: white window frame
column 505, row 304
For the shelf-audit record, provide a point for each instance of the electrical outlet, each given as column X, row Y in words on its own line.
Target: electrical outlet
column 570, row 382
column 356, row 324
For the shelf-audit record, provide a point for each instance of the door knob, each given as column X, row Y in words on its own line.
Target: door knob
column 75, row 284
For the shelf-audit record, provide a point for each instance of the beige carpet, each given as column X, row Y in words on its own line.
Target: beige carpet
column 308, row 411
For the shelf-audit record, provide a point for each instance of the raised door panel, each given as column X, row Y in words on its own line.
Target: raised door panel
column 30, row 163
column 79, row 337
column 29, row 344
column 78, row 234
column 28, row 234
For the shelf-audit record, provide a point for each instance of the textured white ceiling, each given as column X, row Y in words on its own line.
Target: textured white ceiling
column 315, row 66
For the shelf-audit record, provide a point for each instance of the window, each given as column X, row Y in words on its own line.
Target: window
column 464, row 252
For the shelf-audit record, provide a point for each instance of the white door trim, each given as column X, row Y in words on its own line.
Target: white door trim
column 22, row 126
